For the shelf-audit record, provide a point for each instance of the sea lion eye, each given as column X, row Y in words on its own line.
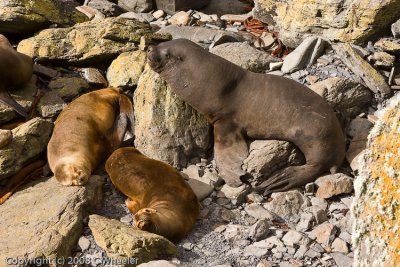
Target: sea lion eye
column 167, row 56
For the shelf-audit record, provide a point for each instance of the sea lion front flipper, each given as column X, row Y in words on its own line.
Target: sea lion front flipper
column 230, row 149
column 7, row 99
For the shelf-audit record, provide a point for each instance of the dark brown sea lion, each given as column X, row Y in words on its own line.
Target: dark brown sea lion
column 243, row 105
column 15, row 72
column 163, row 203
column 88, row 130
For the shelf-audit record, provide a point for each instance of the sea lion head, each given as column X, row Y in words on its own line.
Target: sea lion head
column 4, row 41
column 71, row 174
column 145, row 219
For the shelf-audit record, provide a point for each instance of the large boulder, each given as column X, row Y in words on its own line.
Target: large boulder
column 29, row 140
column 375, row 209
column 95, row 41
column 45, row 219
column 136, row 5
column 28, row 16
column 349, row 21
column 166, row 128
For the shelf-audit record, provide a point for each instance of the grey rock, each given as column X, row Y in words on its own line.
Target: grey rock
column 48, row 218
column 45, row 71
column 83, row 243
column 201, row 189
column 29, row 140
column 396, row 29
column 257, row 211
column 136, row 5
column 293, row 238
column 301, row 251
column 159, row 263
column 94, row 77
column 142, row 17
column 188, row 246
column 316, row 201
column 319, row 213
column 253, row 197
column 339, row 245
column 69, row 87
column 245, row 56
column 172, row 6
column 234, row 193
column 50, row 105
column 382, row 60
column 127, row 219
column 304, row 55
column 312, row 254
column 359, row 126
column 305, row 223
column 222, row 7
column 259, row 230
column 342, row 260
column 107, row 8
column 333, row 185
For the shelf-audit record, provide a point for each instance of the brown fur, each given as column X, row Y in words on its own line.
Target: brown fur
column 15, row 72
column 86, row 132
column 163, row 203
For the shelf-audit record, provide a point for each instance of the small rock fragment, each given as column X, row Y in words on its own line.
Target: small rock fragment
column 259, row 230
column 333, row 185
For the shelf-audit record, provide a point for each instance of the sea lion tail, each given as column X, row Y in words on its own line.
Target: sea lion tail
column 7, row 99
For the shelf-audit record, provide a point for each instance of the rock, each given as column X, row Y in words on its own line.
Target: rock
column 388, row 46
column 342, row 260
column 356, row 148
column 305, row 55
column 293, row 238
column 356, row 21
column 202, row 190
column 50, row 105
column 160, row 263
column 257, row 211
column 222, row 7
column 107, row 8
column 28, row 16
column 262, row 247
column 264, row 263
column 136, row 5
column 69, row 87
column 142, row 17
column 333, row 185
column 344, row 95
column 268, row 156
column 83, row 243
column 245, row 56
column 253, row 197
column 123, row 241
column 366, row 73
column 180, row 19
column 396, row 29
column 237, row 194
column 376, row 216
column 166, row 128
column 259, row 230
column 94, row 77
column 158, row 14
column 48, row 218
column 188, row 246
column 338, row 245
column 287, row 204
column 29, row 140
column 45, row 71
column 359, row 126
column 5, row 137
column 325, row 234
column 90, row 42
column 24, row 96
column 305, row 223
column 200, row 34
column 127, row 219
column 172, row 6
column 319, row 213
column 235, row 17
column 126, row 69
column 275, row 66
column 382, row 60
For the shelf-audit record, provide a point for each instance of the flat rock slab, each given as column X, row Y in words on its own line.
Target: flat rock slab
column 128, row 244
column 45, row 218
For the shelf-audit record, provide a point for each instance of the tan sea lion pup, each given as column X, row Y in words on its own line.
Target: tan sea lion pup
column 15, row 72
column 163, row 203
column 87, row 131
column 243, row 105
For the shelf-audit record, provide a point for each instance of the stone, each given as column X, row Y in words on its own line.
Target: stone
column 142, row 17
column 166, row 128
column 293, row 238
column 179, row 19
column 287, row 205
column 257, row 211
column 107, row 8
column 188, row 246
column 359, row 127
column 235, row 17
column 48, row 218
column 264, row 263
column 127, row 219
column 338, row 245
column 50, row 104
column 237, row 194
column 333, row 185
column 28, row 16
column 342, row 260
column 69, row 87
column 229, row 215
column 126, row 69
column 136, row 5
column 45, row 71
column 305, row 223
column 202, row 190
column 29, row 140
column 5, row 137
column 319, row 213
column 158, row 14
column 301, row 251
column 325, row 234
column 366, row 73
column 268, row 156
column 91, row 42
column 172, row 6
column 356, row 148
column 356, row 21
column 376, row 216
column 245, row 56
column 344, row 95
column 388, row 46
column 259, row 230
column 382, row 60
column 83, row 243
column 253, row 197
column 200, row 34
column 123, row 241
column 94, row 77
column 262, row 247
column 305, row 55
column 396, row 29
column 312, row 254
column 160, row 263
column 222, row 7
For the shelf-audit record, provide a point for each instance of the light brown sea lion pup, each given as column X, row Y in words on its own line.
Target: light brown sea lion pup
column 243, row 105
column 88, row 130
column 163, row 203
column 15, row 72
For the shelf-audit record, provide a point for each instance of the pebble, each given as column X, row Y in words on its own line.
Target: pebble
column 259, row 230
column 83, row 243
column 127, row 219
column 188, row 246
column 158, row 14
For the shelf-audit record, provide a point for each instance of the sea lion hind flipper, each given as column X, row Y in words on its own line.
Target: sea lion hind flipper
column 230, row 149
column 126, row 108
column 115, row 135
column 7, row 99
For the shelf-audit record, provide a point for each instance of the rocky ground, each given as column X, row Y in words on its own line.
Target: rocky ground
column 99, row 45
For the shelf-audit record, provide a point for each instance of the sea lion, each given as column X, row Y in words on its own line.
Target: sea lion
column 90, row 128
column 15, row 72
column 243, row 105
column 163, row 203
